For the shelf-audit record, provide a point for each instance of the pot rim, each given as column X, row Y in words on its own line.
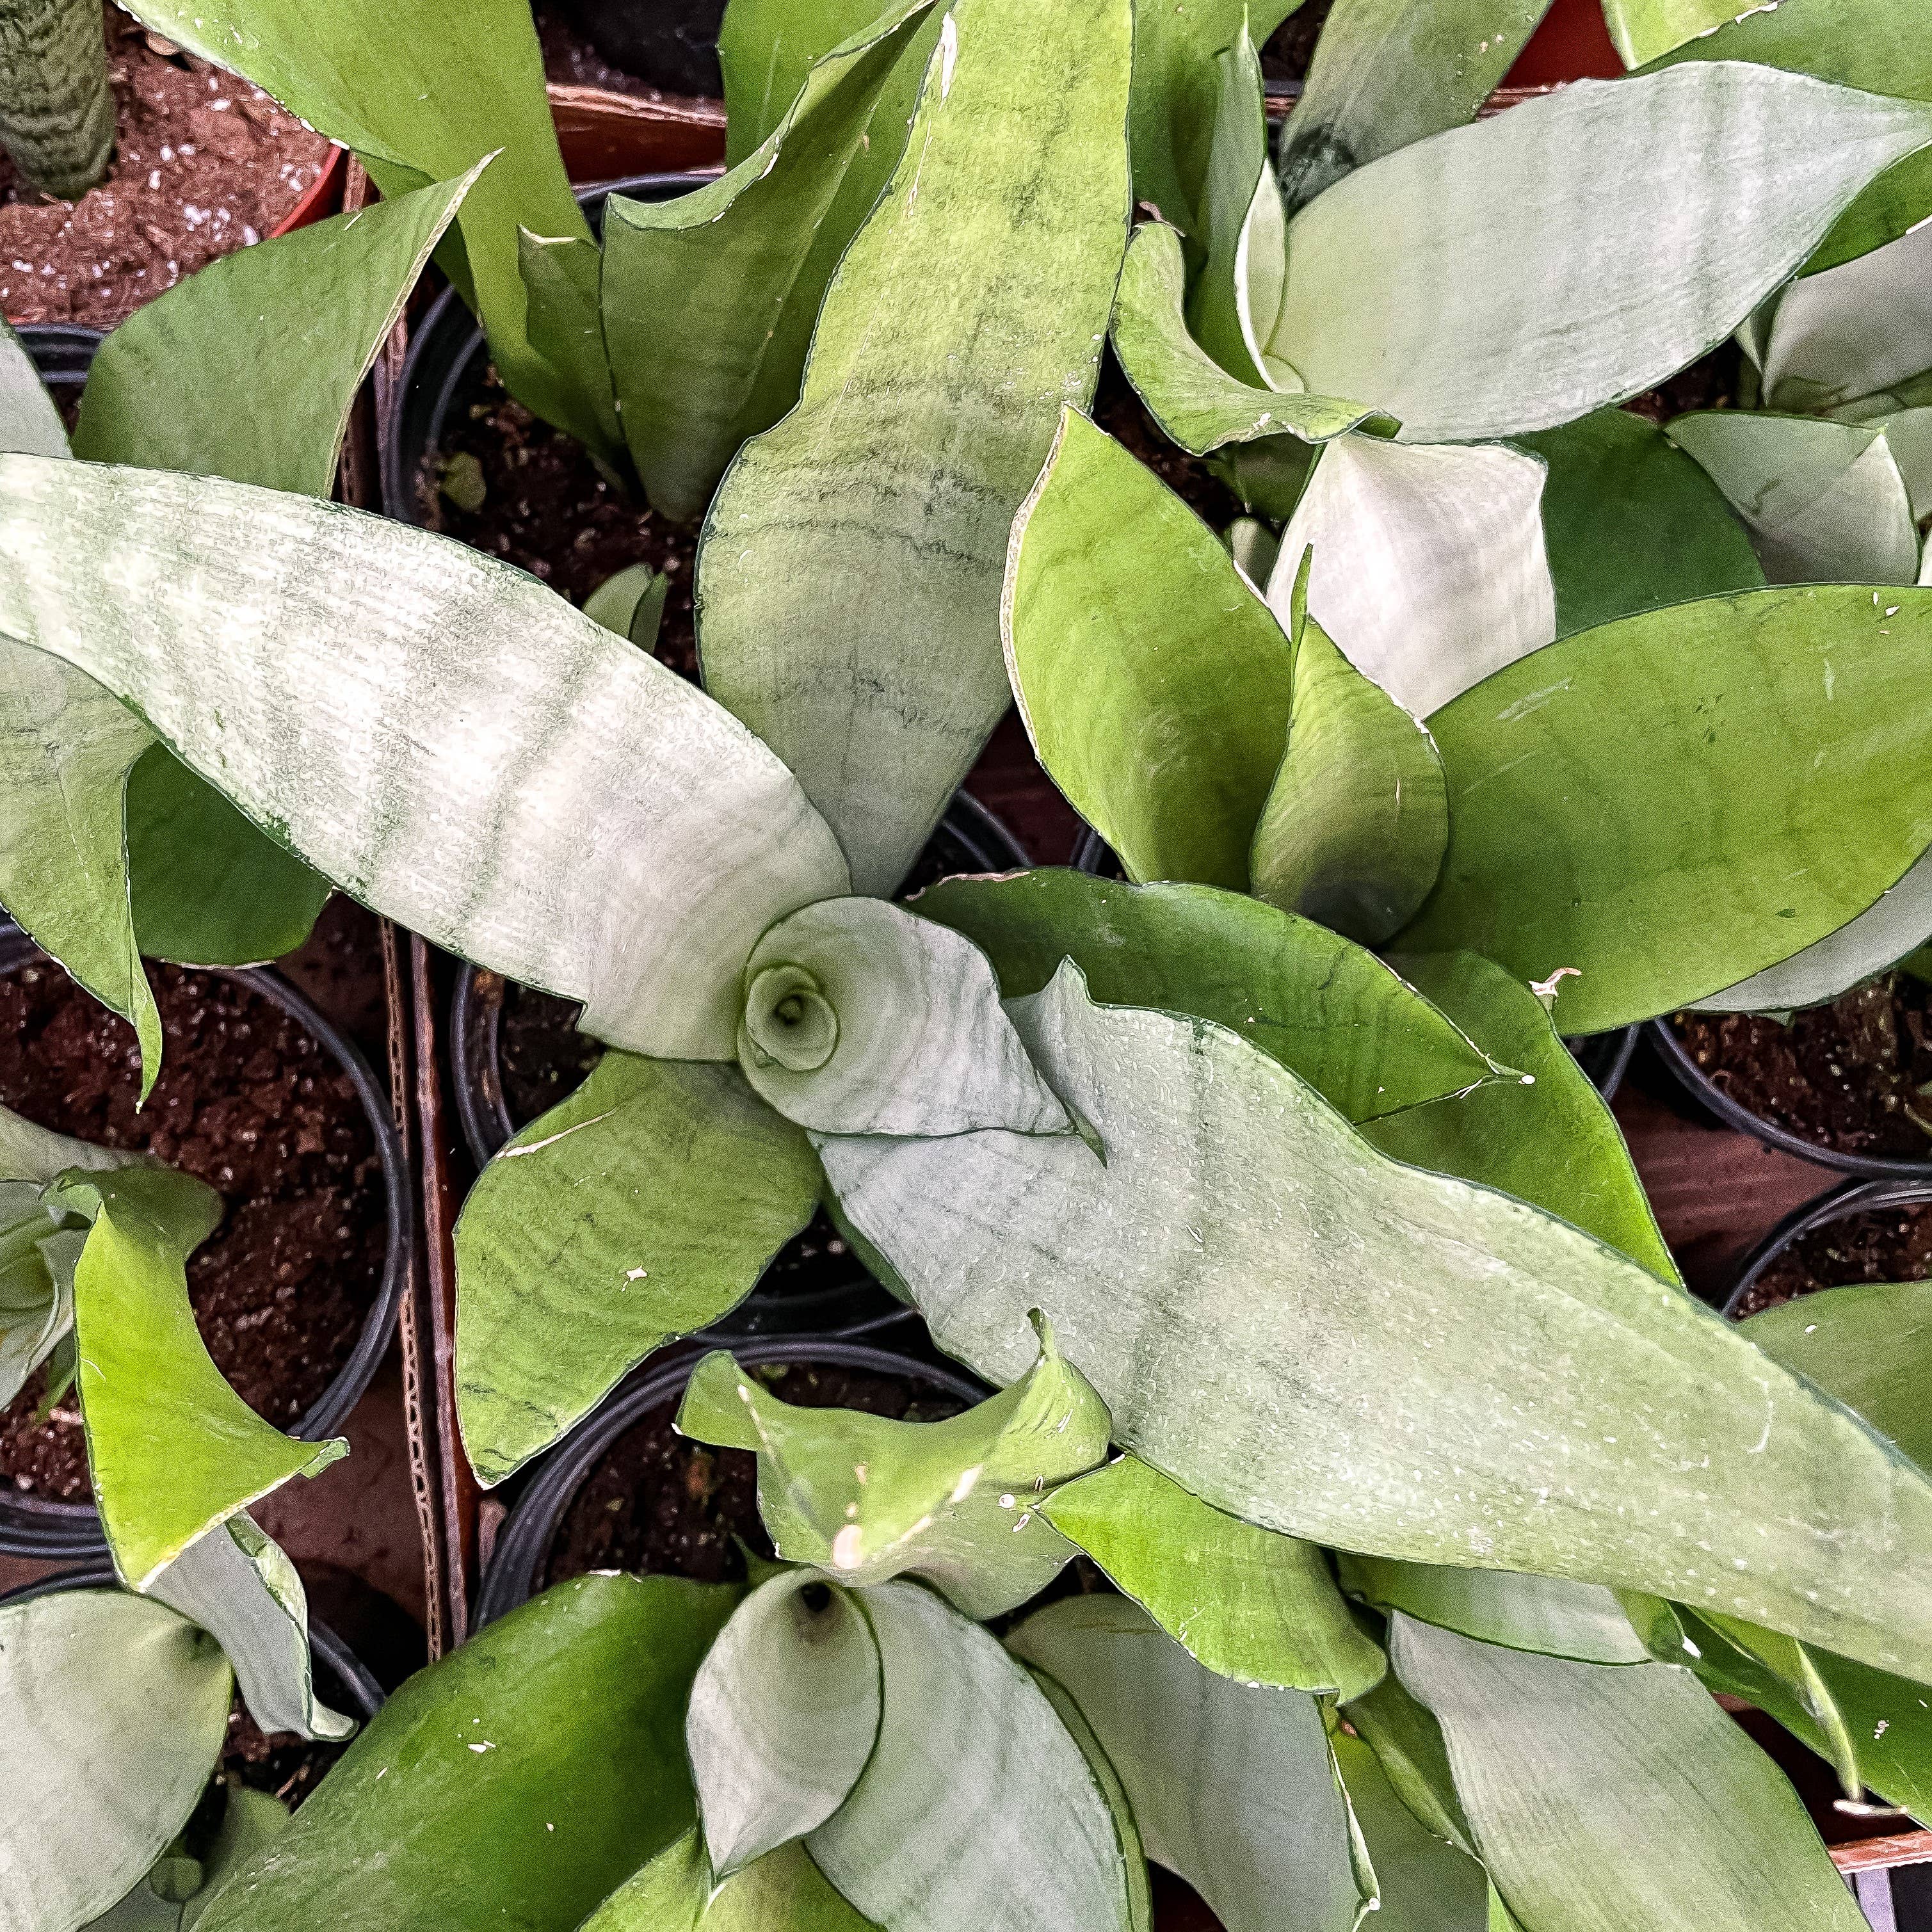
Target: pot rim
column 1840, row 1203
column 1732, row 1113
column 365, row 1696
column 524, row 1540
column 32, row 1525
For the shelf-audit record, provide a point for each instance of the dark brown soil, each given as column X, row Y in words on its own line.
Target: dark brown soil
column 1894, row 1244
column 253, row 1104
column 544, row 1058
column 1122, row 414
column 203, row 164
column 286, row 1766
column 664, row 1505
column 1291, row 48
column 668, row 49
column 1710, row 383
column 1855, row 1075
column 548, row 509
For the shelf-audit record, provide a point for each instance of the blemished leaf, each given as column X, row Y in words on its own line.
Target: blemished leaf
column 238, row 1584
column 1545, row 1614
column 1630, row 522
column 420, row 99
column 1863, row 43
column 978, row 1808
column 864, row 1498
column 1230, row 308
column 1194, row 400
column 1550, row 1140
column 861, row 1018
column 173, row 1451
column 644, row 1207
column 1365, row 1041
column 784, row 1715
column 1355, row 826
column 1155, row 684
column 1854, row 332
column 1389, row 72
column 1248, row 1603
column 1630, row 803
column 518, row 1781
column 849, row 583
column 1428, row 568
column 1610, row 188
column 29, row 422
column 1888, row 1719
column 1172, row 111
column 1823, row 501
column 710, row 298
column 1231, row 1785
column 1869, row 1344
column 563, row 292
column 1425, row 1884
column 116, row 1711
column 412, row 719
column 1245, row 1281
column 1607, row 1796
column 675, row 1892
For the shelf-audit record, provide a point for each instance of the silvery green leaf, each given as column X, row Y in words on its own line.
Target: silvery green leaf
column 37, row 1259
column 1604, row 1797
column 1869, row 1345
column 632, row 603
column 849, row 582
column 1630, row 522
column 644, row 1207
column 445, row 739
column 710, row 298
column 1408, row 1744
column 1367, row 1042
column 1231, row 1785
column 1194, row 400
column 116, row 1712
column 1909, row 434
column 1356, row 822
column 29, row 422
column 1823, row 501
column 784, row 1717
column 1429, row 570
column 861, row 1018
column 1549, row 1138
column 1244, row 1281
column 174, row 1452
column 1852, row 332
column 30, row 1152
column 1426, row 1884
column 676, row 1891
column 1254, row 547
column 1155, row 684
column 1543, row 1614
column 1140, row 1886
column 863, row 1497
column 1248, row 1603
column 238, row 1586
column 1576, row 249
column 1386, row 73
column 1575, row 764
column 978, row 1808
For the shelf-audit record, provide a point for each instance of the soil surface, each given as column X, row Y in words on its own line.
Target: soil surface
column 1855, row 1075
column 664, row 1505
column 1710, row 383
column 279, row 1762
column 1291, row 47
column 1891, row 1244
column 1122, row 414
column 203, row 164
column 668, row 49
column 536, row 498
column 252, row 1103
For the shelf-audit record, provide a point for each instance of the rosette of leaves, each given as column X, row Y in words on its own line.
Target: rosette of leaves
column 1404, row 349
column 1158, row 1147
column 116, row 1707
column 843, row 1742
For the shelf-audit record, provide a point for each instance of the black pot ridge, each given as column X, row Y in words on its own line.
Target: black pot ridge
column 1841, row 1203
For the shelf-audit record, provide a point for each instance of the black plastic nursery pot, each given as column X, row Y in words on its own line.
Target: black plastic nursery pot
column 671, row 44
column 1604, row 1058
column 518, row 1565
column 32, row 1524
column 815, row 1285
column 1790, row 1256
column 63, row 351
column 1711, row 1097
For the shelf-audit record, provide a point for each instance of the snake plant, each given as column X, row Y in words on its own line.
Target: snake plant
column 843, row 1742
column 56, row 112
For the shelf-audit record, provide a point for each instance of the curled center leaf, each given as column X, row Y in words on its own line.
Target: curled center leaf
column 788, row 1021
